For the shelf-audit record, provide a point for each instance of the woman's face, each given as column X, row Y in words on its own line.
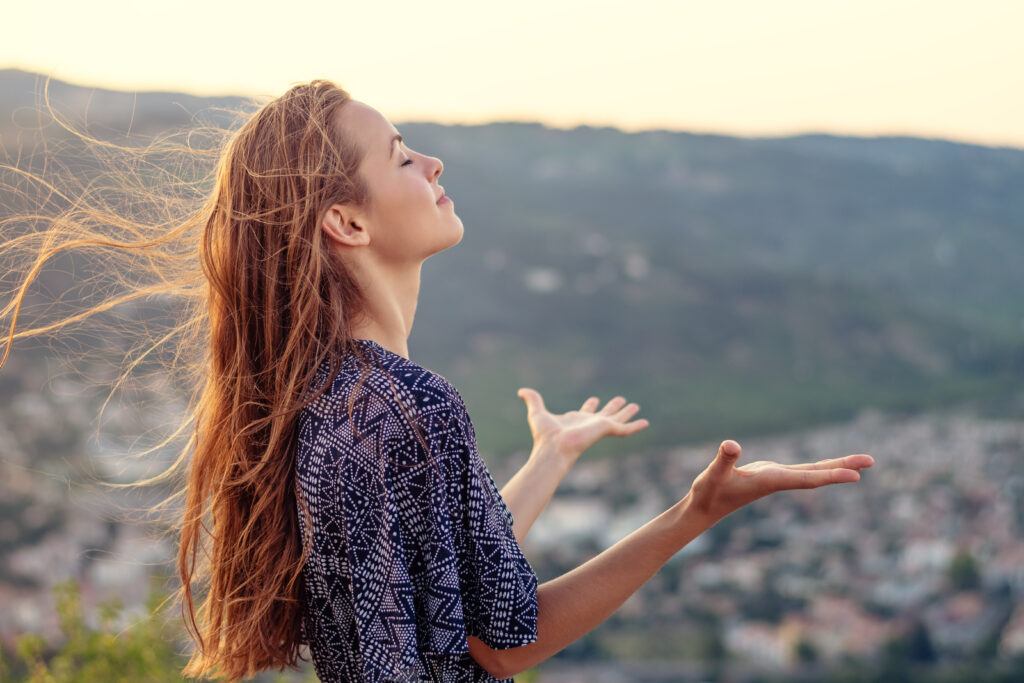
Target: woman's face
column 404, row 221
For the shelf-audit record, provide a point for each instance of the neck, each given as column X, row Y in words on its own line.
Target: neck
column 391, row 293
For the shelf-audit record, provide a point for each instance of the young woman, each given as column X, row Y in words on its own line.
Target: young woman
column 348, row 505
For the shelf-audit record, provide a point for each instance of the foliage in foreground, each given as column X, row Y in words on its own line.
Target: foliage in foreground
column 109, row 646
column 115, row 651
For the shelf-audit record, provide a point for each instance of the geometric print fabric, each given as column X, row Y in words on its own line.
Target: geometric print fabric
column 411, row 547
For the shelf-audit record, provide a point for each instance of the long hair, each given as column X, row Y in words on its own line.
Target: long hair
column 264, row 303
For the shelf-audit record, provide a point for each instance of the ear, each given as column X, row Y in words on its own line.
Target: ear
column 345, row 225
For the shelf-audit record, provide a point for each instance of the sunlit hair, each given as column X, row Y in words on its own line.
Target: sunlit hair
column 261, row 303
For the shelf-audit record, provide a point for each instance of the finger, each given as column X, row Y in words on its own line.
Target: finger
column 811, row 479
column 626, row 413
column 625, row 429
column 728, row 454
column 534, row 401
column 849, row 462
column 590, row 404
column 613, row 406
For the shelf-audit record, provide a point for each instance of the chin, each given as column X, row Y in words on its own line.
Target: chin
column 458, row 236
column 452, row 237
column 459, row 230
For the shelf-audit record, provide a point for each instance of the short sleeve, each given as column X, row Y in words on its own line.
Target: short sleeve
column 499, row 585
column 430, row 547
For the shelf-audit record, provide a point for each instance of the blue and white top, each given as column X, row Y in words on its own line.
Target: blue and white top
column 410, row 543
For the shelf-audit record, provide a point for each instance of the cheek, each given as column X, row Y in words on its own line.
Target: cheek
column 408, row 217
column 398, row 202
column 414, row 204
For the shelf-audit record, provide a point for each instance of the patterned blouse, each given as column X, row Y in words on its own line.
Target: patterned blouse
column 411, row 546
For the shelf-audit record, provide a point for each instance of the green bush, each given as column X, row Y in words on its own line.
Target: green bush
column 143, row 650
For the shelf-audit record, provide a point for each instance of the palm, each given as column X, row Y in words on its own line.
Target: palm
column 722, row 488
column 575, row 431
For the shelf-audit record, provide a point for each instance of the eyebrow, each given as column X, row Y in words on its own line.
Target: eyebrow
column 391, row 145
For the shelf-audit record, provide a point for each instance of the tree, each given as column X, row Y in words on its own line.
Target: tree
column 806, row 651
column 914, row 646
column 963, row 571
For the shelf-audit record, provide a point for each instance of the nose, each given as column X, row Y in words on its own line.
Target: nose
column 438, row 168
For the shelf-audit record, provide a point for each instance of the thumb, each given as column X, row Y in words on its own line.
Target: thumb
column 534, row 401
column 728, row 454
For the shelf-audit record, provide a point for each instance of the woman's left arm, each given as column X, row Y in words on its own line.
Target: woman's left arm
column 558, row 442
column 528, row 491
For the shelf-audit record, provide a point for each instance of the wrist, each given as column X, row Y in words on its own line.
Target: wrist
column 686, row 508
column 551, row 460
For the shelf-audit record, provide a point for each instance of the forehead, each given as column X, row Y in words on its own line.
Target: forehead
column 368, row 126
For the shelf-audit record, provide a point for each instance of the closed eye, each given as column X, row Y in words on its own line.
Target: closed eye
column 407, row 161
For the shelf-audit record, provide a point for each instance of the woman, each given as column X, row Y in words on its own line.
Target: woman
column 350, row 508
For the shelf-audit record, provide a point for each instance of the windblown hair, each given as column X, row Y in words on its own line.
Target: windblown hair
column 263, row 303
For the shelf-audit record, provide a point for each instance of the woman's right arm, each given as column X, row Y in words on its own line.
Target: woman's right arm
column 573, row 604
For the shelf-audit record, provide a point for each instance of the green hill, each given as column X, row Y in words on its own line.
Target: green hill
column 729, row 285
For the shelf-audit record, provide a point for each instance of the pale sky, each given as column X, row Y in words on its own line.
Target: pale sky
column 930, row 68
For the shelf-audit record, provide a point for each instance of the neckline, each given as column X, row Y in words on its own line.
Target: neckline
column 380, row 347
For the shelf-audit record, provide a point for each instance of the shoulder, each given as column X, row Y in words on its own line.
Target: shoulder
column 430, row 399
column 430, row 389
column 378, row 367
column 386, row 388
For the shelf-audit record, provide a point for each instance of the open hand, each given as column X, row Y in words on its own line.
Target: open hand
column 723, row 488
column 571, row 433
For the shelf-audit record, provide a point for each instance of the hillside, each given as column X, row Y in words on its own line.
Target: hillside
column 729, row 285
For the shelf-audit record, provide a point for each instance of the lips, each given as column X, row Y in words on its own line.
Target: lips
column 442, row 195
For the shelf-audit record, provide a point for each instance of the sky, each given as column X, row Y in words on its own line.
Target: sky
column 932, row 68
